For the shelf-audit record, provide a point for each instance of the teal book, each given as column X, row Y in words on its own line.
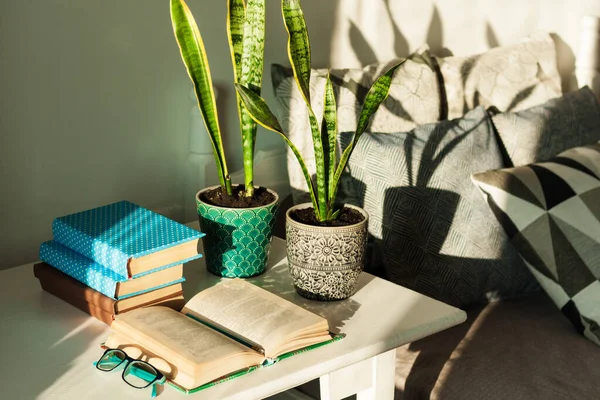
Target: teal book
column 127, row 238
column 104, row 280
column 222, row 332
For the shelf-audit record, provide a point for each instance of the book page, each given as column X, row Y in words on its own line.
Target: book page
column 177, row 338
column 251, row 313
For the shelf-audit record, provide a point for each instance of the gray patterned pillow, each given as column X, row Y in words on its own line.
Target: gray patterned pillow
column 551, row 213
column 433, row 230
column 414, row 99
column 541, row 132
column 510, row 78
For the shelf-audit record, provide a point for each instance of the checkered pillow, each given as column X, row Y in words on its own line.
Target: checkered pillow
column 551, row 212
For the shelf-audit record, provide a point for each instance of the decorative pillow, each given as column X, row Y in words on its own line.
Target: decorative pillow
column 414, row 99
column 551, row 212
column 432, row 229
column 510, row 78
column 541, row 132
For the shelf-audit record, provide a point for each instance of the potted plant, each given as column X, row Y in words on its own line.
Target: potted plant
column 326, row 242
column 238, row 219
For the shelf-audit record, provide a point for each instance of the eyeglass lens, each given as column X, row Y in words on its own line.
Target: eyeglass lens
column 111, row 360
column 139, row 374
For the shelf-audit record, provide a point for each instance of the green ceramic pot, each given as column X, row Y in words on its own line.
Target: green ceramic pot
column 238, row 240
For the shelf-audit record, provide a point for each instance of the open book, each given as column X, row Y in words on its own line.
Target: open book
column 227, row 328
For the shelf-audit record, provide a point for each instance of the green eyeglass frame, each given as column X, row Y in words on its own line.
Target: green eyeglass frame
column 134, row 370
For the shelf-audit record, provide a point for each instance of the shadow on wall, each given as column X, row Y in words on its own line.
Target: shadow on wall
column 435, row 39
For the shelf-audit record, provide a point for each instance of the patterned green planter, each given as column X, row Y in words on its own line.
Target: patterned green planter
column 237, row 240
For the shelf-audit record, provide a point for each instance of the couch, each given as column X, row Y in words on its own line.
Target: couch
column 516, row 342
column 511, row 349
column 498, row 353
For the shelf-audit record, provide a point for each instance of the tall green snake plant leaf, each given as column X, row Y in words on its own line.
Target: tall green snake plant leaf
column 246, row 34
column 328, row 170
column 299, row 54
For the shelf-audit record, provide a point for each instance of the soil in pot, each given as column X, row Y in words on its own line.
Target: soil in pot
column 218, row 197
column 348, row 216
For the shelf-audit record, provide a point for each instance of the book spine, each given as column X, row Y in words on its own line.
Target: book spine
column 89, row 247
column 174, row 301
column 81, row 268
column 180, row 280
column 88, row 308
column 166, row 266
column 69, row 289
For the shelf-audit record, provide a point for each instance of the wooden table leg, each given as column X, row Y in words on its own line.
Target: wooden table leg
column 372, row 379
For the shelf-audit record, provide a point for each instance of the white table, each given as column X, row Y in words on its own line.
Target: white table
column 48, row 346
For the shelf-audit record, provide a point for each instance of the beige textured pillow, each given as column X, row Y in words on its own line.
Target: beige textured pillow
column 414, row 99
column 510, row 78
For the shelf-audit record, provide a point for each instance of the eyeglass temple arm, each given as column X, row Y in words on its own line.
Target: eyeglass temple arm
column 156, row 385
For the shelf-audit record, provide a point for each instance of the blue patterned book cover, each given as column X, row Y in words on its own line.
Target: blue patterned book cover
column 113, row 234
column 86, row 271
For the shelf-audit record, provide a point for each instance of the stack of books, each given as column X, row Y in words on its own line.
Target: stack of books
column 116, row 258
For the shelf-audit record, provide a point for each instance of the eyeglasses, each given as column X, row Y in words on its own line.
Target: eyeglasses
column 138, row 374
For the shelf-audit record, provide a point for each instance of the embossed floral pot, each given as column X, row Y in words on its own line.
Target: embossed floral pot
column 325, row 261
column 238, row 240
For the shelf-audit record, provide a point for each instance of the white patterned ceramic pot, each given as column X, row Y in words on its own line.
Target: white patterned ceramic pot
column 325, row 261
column 238, row 240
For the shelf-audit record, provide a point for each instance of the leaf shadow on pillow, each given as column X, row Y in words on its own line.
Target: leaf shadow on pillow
column 465, row 71
column 418, row 197
column 417, row 221
column 470, row 66
column 360, row 90
column 521, row 96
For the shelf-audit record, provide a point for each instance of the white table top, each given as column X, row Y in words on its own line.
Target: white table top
column 48, row 346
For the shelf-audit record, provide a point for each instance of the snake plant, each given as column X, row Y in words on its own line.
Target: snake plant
column 324, row 135
column 246, row 34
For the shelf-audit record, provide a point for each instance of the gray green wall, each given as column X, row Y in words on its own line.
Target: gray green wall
column 94, row 100
column 94, row 106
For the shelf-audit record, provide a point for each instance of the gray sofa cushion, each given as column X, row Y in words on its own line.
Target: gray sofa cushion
column 433, row 230
column 543, row 131
column 511, row 349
